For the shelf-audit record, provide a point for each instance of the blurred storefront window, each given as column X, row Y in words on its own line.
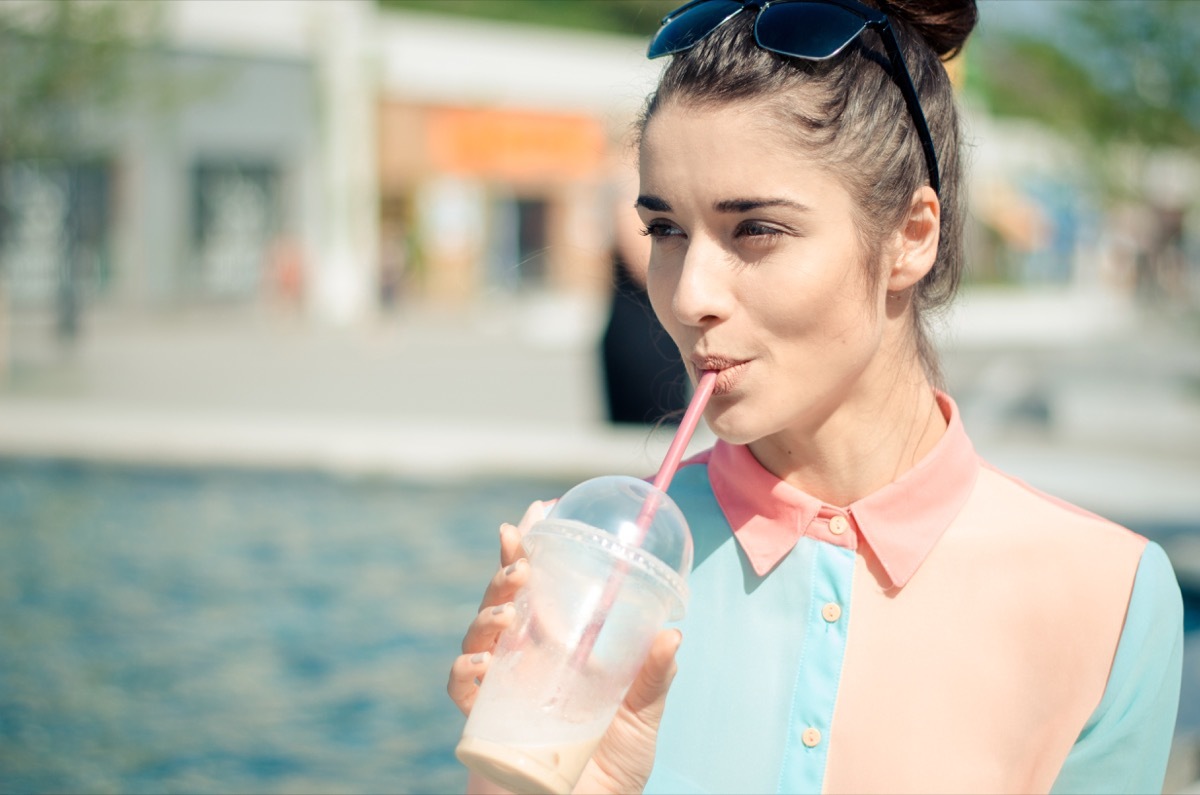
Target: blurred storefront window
column 495, row 188
column 236, row 216
column 55, row 236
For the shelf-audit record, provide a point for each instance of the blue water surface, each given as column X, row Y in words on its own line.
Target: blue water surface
column 241, row 632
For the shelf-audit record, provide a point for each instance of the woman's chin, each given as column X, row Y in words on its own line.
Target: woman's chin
column 730, row 428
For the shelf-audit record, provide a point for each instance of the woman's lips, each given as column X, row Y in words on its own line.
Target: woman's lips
column 729, row 373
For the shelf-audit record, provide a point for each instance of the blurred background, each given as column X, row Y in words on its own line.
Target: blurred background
column 300, row 300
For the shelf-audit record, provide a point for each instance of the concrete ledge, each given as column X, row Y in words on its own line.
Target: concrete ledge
column 420, row 449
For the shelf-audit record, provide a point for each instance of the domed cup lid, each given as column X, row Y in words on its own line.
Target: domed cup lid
column 635, row 520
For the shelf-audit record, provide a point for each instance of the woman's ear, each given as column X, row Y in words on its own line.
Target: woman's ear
column 916, row 241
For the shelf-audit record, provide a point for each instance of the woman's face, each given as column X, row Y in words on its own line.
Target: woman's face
column 756, row 270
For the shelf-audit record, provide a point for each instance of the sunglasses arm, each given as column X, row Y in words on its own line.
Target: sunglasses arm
column 904, row 81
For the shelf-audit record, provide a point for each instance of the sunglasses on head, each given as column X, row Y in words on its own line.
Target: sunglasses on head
column 810, row 29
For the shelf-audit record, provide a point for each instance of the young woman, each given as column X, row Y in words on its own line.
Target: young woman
column 874, row 608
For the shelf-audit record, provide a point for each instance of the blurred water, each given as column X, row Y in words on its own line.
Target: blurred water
column 201, row 630
column 228, row 631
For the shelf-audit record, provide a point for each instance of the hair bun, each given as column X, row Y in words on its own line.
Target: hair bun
column 944, row 24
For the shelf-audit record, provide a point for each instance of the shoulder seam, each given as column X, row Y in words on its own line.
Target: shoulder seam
column 1058, row 502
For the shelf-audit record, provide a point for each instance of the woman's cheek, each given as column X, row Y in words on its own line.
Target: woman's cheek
column 660, row 289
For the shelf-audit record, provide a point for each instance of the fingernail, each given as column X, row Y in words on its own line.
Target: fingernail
column 498, row 609
column 478, row 658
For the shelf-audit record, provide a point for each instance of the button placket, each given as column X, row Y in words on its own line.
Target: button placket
column 818, row 674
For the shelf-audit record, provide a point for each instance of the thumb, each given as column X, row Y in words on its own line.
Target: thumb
column 648, row 694
column 625, row 756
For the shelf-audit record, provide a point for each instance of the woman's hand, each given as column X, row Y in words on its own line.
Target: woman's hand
column 623, row 759
column 495, row 612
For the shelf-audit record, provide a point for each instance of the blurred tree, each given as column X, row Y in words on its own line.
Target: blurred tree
column 60, row 58
column 634, row 17
column 61, row 61
column 1120, row 72
column 1119, row 80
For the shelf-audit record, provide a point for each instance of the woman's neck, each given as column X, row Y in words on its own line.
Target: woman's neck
column 871, row 439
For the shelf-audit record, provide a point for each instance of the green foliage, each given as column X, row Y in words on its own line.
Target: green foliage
column 1118, row 71
column 634, row 17
column 59, row 58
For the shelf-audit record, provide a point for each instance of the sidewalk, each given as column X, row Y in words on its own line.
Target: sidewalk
column 427, row 394
column 516, row 387
column 1041, row 379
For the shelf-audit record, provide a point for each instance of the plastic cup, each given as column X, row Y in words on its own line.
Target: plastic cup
column 604, row 578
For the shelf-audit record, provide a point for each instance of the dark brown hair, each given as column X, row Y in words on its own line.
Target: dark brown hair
column 850, row 111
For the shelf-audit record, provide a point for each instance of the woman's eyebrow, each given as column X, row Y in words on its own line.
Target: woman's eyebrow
column 652, row 203
column 746, row 205
column 658, row 205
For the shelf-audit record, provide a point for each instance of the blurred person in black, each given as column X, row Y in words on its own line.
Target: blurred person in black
column 644, row 378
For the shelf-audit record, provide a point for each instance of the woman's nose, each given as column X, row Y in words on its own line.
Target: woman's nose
column 702, row 294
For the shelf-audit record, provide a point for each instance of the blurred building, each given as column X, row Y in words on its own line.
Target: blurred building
column 500, row 150
column 184, row 190
column 1037, row 219
column 337, row 157
column 342, row 160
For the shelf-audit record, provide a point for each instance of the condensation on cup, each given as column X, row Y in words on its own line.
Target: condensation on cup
column 608, row 569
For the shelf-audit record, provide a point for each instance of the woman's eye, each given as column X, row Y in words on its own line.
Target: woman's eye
column 752, row 229
column 658, row 229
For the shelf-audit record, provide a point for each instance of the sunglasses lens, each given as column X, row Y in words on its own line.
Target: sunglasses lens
column 691, row 25
column 807, row 30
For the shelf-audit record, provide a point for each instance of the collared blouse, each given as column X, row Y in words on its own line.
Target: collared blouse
column 955, row 631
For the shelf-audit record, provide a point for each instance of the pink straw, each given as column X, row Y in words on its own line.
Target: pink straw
column 687, row 427
column 666, row 472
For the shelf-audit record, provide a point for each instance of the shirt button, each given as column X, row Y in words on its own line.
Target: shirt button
column 811, row 737
column 838, row 525
column 831, row 612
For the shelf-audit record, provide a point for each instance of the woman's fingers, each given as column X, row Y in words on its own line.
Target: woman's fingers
column 495, row 611
column 510, row 545
column 465, row 675
column 510, row 535
column 486, row 628
column 505, row 584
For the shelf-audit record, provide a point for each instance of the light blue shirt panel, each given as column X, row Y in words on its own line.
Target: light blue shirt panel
column 1125, row 744
column 744, row 640
column 819, row 671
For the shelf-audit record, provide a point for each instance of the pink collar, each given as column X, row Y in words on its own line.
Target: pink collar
column 901, row 522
